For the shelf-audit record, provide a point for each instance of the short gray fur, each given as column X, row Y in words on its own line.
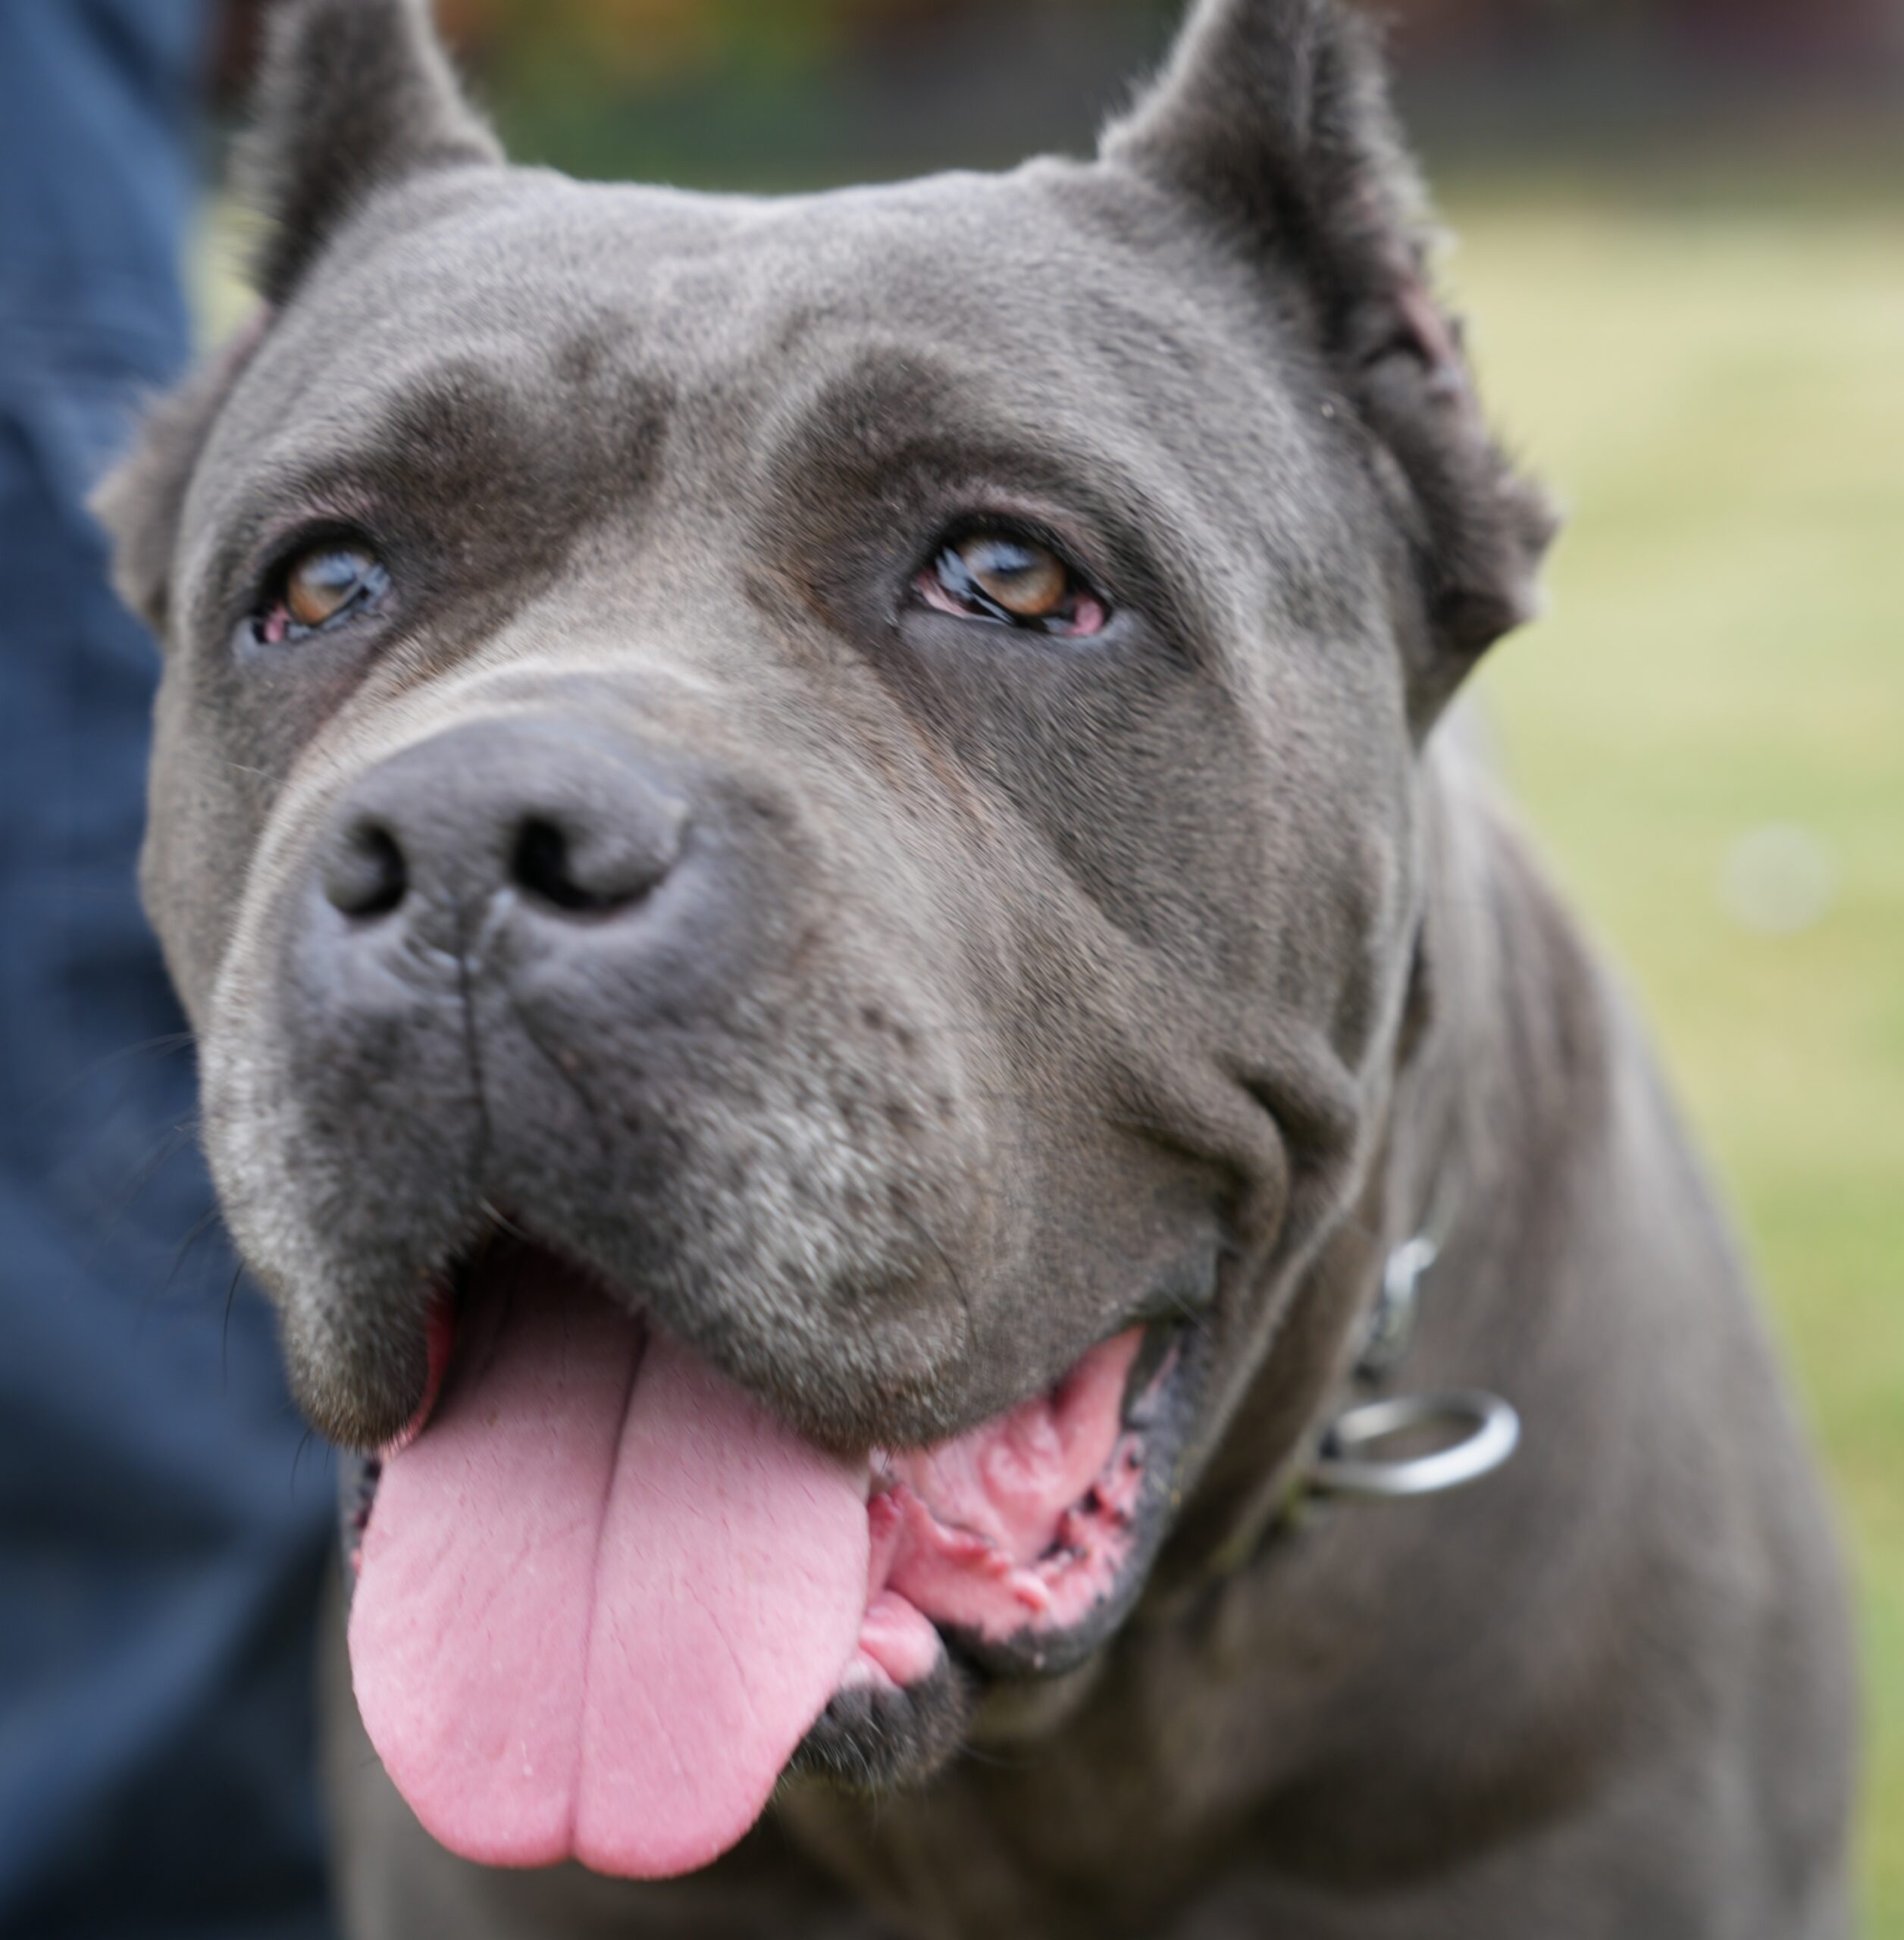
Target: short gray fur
column 1006, row 976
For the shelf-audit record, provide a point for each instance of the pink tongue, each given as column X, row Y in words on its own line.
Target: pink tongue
column 603, row 1595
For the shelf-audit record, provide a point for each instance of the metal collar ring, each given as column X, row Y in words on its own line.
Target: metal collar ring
column 1493, row 1432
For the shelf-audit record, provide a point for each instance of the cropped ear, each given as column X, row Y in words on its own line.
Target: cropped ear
column 1272, row 117
column 353, row 96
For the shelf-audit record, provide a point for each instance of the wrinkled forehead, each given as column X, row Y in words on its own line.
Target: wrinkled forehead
column 1025, row 320
column 1017, row 271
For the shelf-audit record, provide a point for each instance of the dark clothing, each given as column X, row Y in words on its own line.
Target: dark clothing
column 161, row 1541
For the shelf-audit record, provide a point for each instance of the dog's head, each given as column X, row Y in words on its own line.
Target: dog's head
column 791, row 828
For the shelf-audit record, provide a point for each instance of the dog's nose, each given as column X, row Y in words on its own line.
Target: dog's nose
column 570, row 823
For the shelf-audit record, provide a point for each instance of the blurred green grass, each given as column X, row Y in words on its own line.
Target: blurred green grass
column 1718, row 394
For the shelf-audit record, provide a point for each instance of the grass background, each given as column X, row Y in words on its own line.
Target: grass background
column 1715, row 388
column 1717, row 392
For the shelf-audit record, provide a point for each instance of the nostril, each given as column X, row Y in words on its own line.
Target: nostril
column 540, row 864
column 365, row 875
column 544, row 866
column 581, row 877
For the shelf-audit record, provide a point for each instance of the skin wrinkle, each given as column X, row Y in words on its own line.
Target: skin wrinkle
column 479, row 1163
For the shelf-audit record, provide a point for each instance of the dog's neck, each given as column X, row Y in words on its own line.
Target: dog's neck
column 1228, row 1611
column 1428, row 1161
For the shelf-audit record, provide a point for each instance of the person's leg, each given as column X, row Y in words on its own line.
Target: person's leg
column 161, row 1542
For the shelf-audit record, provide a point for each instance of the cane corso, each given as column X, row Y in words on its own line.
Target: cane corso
column 844, row 985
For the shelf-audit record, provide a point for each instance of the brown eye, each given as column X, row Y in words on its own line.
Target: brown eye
column 1015, row 581
column 321, row 585
column 1028, row 582
column 324, row 582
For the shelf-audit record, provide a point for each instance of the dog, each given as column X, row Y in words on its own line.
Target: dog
column 860, row 1006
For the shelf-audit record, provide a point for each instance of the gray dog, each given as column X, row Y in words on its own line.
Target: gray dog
column 845, row 989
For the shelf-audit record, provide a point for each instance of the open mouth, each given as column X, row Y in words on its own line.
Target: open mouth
column 606, row 1597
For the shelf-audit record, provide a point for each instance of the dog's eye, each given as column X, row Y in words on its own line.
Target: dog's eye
column 322, row 585
column 1011, row 581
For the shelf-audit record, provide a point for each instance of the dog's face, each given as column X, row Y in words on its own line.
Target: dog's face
column 807, row 808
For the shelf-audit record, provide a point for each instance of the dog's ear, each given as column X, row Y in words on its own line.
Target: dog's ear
column 353, row 96
column 1272, row 120
column 140, row 501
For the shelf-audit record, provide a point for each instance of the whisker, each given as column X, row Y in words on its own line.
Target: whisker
column 224, row 1330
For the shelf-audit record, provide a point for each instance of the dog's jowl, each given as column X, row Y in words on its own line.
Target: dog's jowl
column 856, row 1000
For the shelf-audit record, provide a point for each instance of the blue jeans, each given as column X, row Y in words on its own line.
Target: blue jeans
column 163, row 1531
